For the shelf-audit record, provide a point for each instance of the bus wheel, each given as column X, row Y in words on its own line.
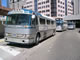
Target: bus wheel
column 37, row 39
column 54, row 32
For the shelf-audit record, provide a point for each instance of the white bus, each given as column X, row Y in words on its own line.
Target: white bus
column 61, row 25
column 27, row 27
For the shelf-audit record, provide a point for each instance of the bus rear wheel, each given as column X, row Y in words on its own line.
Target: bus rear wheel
column 54, row 32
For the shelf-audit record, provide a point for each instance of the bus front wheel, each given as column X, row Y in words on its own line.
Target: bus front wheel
column 37, row 39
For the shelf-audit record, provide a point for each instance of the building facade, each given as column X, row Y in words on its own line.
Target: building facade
column 60, row 8
column 44, row 7
column 69, row 7
column 29, row 4
column 15, row 4
column 52, row 8
column 76, row 7
column 76, row 17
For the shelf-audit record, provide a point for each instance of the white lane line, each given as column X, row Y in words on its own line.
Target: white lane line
column 1, row 58
column 10, row 50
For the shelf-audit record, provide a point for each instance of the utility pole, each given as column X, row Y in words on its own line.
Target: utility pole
column 0, row 2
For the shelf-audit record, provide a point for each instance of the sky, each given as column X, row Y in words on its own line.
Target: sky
column 4, row 3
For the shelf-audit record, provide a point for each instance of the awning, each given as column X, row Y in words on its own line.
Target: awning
column 4, row 10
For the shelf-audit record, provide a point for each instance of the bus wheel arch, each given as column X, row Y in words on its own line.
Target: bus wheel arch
column 38, row 35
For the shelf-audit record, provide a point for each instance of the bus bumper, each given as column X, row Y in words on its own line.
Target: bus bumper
column 21, row 41
column 58, row 30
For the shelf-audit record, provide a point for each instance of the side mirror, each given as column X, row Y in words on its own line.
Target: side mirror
column 33, row 16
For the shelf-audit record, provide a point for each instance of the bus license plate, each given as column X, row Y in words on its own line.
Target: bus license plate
column 13, row 35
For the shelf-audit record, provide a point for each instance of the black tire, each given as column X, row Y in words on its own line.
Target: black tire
column 54, row 32
column 37, row 39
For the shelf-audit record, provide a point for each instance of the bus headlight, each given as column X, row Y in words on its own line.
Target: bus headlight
column 22, row 35
column 7, row 34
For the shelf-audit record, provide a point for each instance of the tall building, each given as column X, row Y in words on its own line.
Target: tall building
column 44, row 7
column 53, row 8
column 76, row 7
column 15, row 4
column 8, row 3
column 69, row 7
column 29, row 4
column 60, row 9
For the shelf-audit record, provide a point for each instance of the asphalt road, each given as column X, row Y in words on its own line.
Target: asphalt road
column 63, row 46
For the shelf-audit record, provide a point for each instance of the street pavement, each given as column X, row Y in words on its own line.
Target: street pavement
column 63, row 46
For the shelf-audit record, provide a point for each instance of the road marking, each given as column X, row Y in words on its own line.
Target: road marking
column 1, row 58
column 10, row 50
column 1, row 40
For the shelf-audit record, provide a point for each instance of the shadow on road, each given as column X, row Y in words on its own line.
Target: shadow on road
column 20, row 45
column 45, row 39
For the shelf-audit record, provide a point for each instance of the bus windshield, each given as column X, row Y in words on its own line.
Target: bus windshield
column 59, row 22
column 18, row 19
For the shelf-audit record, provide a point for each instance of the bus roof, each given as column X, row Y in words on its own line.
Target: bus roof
column 48, row 17
column 26, row 11
column 23, row 11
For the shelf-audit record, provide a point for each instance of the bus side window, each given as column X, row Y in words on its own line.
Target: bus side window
column 52, row 22
column 42, row 21
column 48, row 22
column 33, row 21
column 36, row 20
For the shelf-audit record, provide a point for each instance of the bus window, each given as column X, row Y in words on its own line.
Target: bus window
column 42, row 21
column 36, row 20
column 18, row 19
column 52, row 22
column 33, row 21
column 48, row 22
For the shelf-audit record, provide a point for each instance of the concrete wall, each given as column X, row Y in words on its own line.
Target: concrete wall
column 72, row 17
